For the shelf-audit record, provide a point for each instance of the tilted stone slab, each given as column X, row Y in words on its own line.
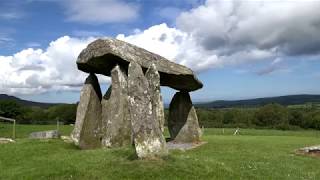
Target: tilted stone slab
column 115, row 112
column 183, row 121
column 148, row 139
column 52, row 134
column 86, row 133
column 103, row 54
column 153, row 78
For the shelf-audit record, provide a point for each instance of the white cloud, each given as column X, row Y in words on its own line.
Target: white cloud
column 33, row 44
column 172, row 44
column 169, row 12
column 289, row 26
column 215, row 34
column 32, row 71
column 100, row 11
column 84, row 33
column 10, row 15
column 183, row 48
column 230, row 32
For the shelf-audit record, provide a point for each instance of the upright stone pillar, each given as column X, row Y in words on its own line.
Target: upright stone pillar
column 183, row 121
column 153, row 78
column 86, row 133
column 148, row 139
column 115, row 112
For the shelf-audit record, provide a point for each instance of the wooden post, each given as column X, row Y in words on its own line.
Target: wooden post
column 14, row 125
column 14, row 130
column 58, row 124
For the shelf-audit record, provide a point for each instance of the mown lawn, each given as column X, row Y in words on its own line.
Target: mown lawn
column 255, row 154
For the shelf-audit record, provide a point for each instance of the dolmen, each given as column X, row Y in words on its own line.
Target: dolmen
column 131, row 112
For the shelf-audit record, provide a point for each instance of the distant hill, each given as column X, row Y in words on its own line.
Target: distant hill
column 25, row 102
column 283, row 100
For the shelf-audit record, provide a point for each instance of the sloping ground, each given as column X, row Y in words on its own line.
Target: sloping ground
column 25, row 102
column 283, row 100
column 256, row 154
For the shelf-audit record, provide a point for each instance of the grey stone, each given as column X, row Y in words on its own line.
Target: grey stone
column 148, row 139
column 86, row 133
column 183, row 121
column 45, row 134
column 115, row 112
column 6, row 140
column 153, row 78
column 103, row 54
column 183, row 146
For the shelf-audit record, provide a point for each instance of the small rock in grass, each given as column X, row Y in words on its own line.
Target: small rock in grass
column 6, row 140
column 45, row 135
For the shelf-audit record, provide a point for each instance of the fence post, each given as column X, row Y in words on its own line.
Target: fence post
column 14, row 129
column 58, row 124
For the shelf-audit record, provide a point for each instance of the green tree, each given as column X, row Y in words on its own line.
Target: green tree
column 272, row 115
column 296, row 117
column 10, row 109
column 65, row 113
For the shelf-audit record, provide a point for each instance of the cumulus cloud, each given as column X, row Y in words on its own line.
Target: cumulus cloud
column 183, row 48
column 32, row 71
column 100, row 11
column 276, row 66
column 229, row 32
column 172, row 44
column 215, row 34
column 290, row 27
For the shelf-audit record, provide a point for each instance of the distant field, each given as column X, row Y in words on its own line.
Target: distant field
column 23, row 131
column 254, row 154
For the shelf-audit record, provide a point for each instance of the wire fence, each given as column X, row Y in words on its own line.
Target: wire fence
column 6, row 123
column 9, row 128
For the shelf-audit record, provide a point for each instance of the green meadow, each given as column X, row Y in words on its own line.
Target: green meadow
column 254, row 154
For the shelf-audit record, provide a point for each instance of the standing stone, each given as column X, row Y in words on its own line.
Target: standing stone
column 115, row 112
column 183, row 121
column 157, row 104
column 86, row 133
column 148, row 139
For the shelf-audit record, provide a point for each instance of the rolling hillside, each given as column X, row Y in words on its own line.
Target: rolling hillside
column 283, row 100
column 25, row 102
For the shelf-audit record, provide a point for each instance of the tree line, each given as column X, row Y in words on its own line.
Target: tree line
column 64, row 113
column 273, row 116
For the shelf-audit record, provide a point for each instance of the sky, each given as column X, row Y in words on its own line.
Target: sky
column 239, row 49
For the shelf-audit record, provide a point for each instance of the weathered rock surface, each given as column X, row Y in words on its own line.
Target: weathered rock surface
column 183, row 146
column 115, row 112
column 183, row 121
column 148, row 139
column 153, row 78
column 86, row 132
column 103, row 54
column 45, row 135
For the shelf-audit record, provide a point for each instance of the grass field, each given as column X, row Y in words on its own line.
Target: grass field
column 255, row 154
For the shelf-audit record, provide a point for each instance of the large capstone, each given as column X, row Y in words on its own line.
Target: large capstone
column 115, row 112
column 86, row 133
column 153, row 78
column 103, row 54
column 148, row 139
column 183, row 121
